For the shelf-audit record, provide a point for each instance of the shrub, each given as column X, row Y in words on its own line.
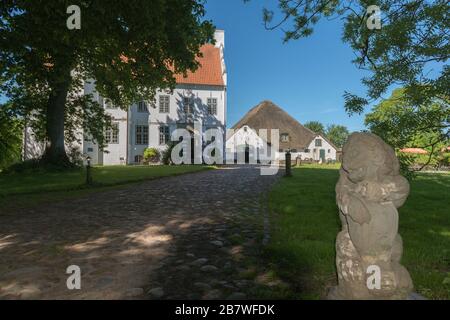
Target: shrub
column 152, row 155
column 167, row 154
column 444, row 160
column 75, row 156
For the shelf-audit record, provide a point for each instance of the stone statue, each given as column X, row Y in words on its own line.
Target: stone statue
column 369, row 249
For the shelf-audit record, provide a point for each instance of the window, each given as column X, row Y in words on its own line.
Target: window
column 112, row 134
column 142, row 106
column 294, row 150
column 164, row 135
column 318, row 142
column 188, row 105
column 138, row 159
column 329, row 150
column 212, row 106
column 90, row 149
column 142, row 135
column 307, row 151
column 284, row 137
column 164, row 104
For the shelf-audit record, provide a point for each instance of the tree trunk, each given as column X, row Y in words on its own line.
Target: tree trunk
column 55, row 152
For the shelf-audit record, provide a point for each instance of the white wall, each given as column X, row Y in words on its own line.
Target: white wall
column 314, row 152
column 251, row 138
column 243, row 137
column 176, row 116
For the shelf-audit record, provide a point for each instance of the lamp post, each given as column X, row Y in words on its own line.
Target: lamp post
column 288, row 163
column 88, row 171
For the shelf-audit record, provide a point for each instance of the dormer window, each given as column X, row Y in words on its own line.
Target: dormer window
column 284, row 137
column 318, row 142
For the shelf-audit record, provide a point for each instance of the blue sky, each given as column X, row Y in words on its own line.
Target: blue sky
column 307, row 77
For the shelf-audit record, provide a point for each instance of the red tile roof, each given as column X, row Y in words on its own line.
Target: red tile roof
column 210, row 70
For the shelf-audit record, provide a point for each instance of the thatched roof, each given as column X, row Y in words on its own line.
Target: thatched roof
column 267, row 115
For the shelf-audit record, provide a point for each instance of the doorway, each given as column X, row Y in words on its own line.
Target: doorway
column 322, row 155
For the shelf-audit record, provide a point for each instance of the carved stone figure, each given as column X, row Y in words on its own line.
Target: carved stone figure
column 369, row 249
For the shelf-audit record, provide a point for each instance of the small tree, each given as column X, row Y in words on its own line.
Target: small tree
column 338, row 134
column 167, row 154
column 405, row 125
column 152, row 155
column 315, row 126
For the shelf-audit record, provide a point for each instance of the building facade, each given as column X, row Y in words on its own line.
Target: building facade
column 299, row 140
column 200, row 96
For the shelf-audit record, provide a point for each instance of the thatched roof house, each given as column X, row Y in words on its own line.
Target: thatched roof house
column 293, row 136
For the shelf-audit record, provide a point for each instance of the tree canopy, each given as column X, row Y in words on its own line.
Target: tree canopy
column 338, row 134
column 404, row 125
column 130, row 49
column 315, row 126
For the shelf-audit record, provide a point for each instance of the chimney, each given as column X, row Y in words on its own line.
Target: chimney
column 219, row 36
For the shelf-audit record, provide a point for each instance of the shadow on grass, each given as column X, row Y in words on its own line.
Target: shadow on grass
column 305, row 223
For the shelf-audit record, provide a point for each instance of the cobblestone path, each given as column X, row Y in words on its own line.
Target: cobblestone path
column 187, row 237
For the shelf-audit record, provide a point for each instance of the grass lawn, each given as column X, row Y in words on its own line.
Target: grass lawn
column 35, row 185
column 305, row 224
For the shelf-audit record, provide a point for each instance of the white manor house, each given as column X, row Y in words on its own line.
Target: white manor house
column 200, row 96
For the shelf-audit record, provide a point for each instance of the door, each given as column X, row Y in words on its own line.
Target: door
column 247, row 154
column 322, row 155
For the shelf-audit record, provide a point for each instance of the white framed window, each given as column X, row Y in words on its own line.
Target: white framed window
column 284, row 137
column 212, row 106
column 142, row 135
column 164, row 135
column 112, row 134
column 142, row 106
column 188, row 105
column 164, row 104
column 318, row 142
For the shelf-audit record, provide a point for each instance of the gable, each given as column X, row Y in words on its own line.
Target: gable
column 210, row 70
column 267, row 115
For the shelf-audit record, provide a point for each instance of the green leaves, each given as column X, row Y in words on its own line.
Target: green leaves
column 353, row 103
column 402, row 124
column 10, row 137
column 411, row 50
column 337, row 134
column 130, row 48
column 315, row 126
